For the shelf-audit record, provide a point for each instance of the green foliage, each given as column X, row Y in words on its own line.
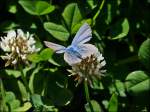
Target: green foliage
column 144, row 53
column 13, row 104
column 113, row 103
column 118, row 87
column 138, row 84
column 44, row 55
column 72, row 15
column 120, row 30
column 36, row 7
column 24, row 108
column 95, row 107
column 58, row 31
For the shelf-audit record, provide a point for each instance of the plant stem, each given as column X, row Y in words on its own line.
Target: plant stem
column 98, row 12
column 2, row 91
column 47, row 18
column 127, row 60
column 24, row 80
column 41, row 19
column 87, row 95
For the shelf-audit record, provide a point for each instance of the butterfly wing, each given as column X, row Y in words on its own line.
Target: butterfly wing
column 83, row 51
column 71, row 57
column 87, row 50
column 57, row 48
column 83, row 35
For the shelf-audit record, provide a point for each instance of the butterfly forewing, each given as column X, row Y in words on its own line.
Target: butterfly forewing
column 83, row 35
column 57, row 48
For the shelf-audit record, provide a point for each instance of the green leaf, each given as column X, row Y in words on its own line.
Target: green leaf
column 95, row 107
column 8, row 25
column 120, row 29
column 113, row 103
column 37, row 100
column 137, row 83
column 34, row 58
column 32, row 79
column 105, row 103
column 37, row 81
column 14, row 104
column 14, row 73
column 117, row 86
column 11, row 100
column 23, row 91
column 97, row 84
column 78, row 25
column 92, row 3
column 46, row 54
column 144, row 53
column 51, row 60
column 24, row 108
column 10, row 96
column 12, row 9
column 72, row 15
column 57, row 31
column 36, row 7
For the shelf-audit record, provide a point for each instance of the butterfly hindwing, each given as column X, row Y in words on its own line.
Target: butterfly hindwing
column 71, row 57
column 86, row 50
column 57, row 48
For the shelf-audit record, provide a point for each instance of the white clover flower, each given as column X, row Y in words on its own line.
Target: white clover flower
column 17, row 46
column 89, row 68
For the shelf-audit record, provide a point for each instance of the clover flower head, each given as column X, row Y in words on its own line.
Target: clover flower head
column 89, row 68
column 17, row 45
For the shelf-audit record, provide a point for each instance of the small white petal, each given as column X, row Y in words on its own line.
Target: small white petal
column 38, row 49
column 23, row 56
column 11, row 34
column 100, row 57
column 14, row 61
column 103, row 63
column 31, row 41
column 11, row 41
column 5, row 57
column 103, row 71
column 28, row 35
column 12, row 48
column 20, row 33
column 17, row 49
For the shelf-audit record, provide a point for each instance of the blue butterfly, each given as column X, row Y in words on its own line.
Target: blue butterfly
column 78, row 49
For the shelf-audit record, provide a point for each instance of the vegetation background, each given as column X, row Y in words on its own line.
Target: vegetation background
column 120, row 31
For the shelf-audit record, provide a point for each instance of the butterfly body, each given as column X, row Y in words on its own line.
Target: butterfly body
column 78, row 48
column 74, row 50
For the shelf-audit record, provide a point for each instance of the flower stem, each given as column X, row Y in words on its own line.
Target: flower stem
column 98, row 12
column 87, row 95
column 24, row 80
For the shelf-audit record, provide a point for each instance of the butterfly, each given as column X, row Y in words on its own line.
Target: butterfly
column 78, row 49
